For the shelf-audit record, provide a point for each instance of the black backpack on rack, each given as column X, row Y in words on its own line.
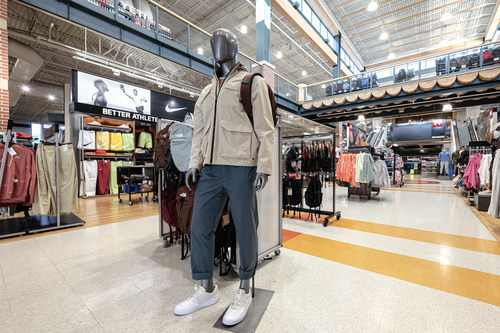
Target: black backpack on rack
column 496, row 54
column 440, row 66
column 474, row 61
column 401, row 75
column 295, row 198
column 454, row 65
column 463, row 62
column 291, row 158
column 314, row 196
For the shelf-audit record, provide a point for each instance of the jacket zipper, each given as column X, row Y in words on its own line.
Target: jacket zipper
column 217, row 92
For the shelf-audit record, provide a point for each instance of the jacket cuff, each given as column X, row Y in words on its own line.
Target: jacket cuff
column 195, row 165
column 264, row 170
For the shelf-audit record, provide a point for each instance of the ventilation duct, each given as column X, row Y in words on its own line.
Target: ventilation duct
column 27, row 65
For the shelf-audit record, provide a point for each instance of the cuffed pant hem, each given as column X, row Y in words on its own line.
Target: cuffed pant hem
column 202, row 276
column 246, row 275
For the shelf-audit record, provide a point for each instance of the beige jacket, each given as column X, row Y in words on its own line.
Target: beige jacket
column 223, row 133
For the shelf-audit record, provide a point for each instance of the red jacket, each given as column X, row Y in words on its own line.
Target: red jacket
column 19, row 179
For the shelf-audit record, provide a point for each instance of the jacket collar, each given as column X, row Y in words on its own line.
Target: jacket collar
column 237, row 68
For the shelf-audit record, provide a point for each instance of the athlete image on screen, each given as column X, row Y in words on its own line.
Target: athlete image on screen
column 138, row 101
column 99, row 98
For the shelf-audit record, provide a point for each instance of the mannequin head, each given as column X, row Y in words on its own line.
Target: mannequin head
column 225, row 49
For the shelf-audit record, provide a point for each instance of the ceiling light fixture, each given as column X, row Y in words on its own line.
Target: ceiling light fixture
column 391, row 56
column 361, row 117
column 384, row 36
column 372, row 6
column 323, row 86
column 304, row 73
column 244, row 29
column 25, row 88
column 51, row 97
column 116, row 72
column 447, row 108
column 279, row 55
column 200, row 51
column 446, row 17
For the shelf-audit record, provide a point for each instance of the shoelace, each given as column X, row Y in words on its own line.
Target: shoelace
column 237, row 301
column 198, row 293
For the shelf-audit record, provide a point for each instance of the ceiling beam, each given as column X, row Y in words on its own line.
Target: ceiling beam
column 493, row 24
column 364, row 9
column 411, row 17
column 346, row 41
column 305, row 29
column 423, row 55
column 423, row 32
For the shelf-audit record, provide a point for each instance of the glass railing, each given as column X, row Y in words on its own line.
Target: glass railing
column 285, row 88
column 168, row 27
column 435, row 67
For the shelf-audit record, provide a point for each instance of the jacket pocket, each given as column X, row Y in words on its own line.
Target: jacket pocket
column 235, row 140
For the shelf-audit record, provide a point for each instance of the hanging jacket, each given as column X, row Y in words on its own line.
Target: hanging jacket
column 223, row 133
column 19, row 179
column 381, row 176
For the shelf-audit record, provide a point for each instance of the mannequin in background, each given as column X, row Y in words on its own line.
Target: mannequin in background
column 444, row 157
column 234, row 155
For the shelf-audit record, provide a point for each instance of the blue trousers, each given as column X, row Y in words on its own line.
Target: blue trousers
column 217, row 182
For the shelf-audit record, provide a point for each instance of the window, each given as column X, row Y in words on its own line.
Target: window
column 315, row 22
column 324, row 32
column 306, row 10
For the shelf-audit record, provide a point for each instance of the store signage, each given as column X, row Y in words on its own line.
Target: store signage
column 420, row 130
column 94, row 94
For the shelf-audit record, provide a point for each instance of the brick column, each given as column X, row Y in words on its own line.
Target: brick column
column 4, row 67
column 268, row 72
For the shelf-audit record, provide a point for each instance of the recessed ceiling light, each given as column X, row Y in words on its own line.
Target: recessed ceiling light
column 304, row 73
column 116, row 72
column 25, row 88
column 200, row 51
column 51, row 97
column 160, row 85
column 244, row 29
column 446, row 17
column 373, row 5
column 447, row 107
column 391, row 56
column 384, row 36
column 279, row 55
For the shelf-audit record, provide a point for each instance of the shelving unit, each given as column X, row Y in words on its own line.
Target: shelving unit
column 429, row 166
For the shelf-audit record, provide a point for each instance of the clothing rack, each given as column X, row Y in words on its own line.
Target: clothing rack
column 481, row 147
column 359, row 190
column 19, row 226
column 315, row 137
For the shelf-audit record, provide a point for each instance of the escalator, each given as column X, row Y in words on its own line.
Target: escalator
column 463, row 134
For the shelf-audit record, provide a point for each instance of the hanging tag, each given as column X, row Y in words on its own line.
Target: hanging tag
column 11, row 151
column 289, row 191
column 65, row 147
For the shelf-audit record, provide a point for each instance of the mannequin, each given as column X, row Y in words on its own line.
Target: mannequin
column 234, row 157
column 444, row 157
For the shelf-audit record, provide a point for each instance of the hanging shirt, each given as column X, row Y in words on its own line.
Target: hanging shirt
column 19, row 179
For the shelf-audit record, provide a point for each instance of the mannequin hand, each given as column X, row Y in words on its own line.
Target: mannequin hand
column 191, row 177
column 260, row 181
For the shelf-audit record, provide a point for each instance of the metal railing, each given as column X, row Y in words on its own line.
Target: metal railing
column 458, row 61
column 285, row 88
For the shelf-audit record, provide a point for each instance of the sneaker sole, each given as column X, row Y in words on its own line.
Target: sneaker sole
column 202, row 306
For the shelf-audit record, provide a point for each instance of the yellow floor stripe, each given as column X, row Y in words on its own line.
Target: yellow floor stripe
column 484, row 287
column 461, row 242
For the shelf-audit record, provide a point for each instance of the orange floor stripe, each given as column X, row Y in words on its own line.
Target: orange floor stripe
column 480, row 286
column 461, row 242
column 288, row 234
column 439, row 238
column 415, row 191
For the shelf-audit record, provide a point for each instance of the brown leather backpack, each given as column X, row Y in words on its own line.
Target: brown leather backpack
column 184, row 205
column 246, row 96
column 162, row 147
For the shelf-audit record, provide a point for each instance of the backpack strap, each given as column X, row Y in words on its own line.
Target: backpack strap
column 246, row 93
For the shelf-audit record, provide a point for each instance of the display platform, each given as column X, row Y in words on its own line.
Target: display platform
column 38, row 223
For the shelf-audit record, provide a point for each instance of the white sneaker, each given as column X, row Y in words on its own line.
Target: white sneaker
column 199, row 300
column 238, row 308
